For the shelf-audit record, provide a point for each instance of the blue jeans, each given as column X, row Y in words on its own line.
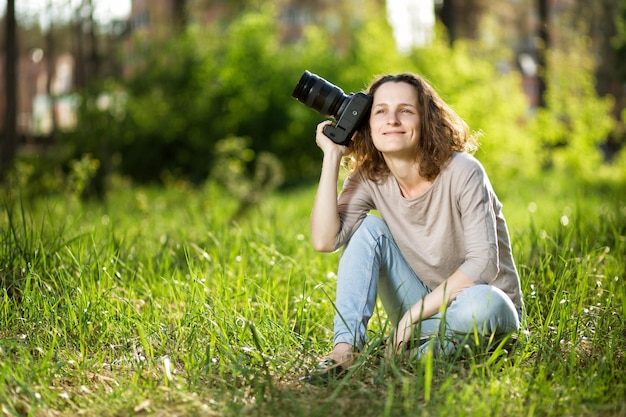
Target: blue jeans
column 372, row 265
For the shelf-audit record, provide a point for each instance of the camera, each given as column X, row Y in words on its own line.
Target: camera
column 330, row 100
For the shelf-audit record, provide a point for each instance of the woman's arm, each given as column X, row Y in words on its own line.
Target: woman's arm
column 325, row 223
column 430, row 305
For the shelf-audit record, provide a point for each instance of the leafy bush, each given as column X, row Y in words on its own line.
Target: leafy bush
column 210, row 84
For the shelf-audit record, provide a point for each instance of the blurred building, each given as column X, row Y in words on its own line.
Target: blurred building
column 37, row 112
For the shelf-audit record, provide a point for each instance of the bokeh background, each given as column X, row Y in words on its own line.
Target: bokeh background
column 196, row 90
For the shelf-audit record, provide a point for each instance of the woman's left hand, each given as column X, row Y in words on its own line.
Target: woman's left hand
column 403, row 333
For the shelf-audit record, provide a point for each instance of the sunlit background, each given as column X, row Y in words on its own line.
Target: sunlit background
column 42, row 10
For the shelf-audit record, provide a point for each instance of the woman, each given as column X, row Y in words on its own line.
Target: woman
column 438, row 253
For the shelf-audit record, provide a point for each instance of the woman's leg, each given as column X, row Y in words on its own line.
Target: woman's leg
column 481, row 309
column 372, row 264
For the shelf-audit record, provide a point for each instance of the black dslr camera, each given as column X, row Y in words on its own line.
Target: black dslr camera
column 330, row 100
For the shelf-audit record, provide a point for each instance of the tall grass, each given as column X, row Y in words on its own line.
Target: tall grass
column 156, row 304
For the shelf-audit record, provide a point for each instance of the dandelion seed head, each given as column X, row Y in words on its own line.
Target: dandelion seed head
column 532, row 207
column 564, row 220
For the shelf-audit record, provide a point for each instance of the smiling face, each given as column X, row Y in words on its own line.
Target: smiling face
column 395, row 120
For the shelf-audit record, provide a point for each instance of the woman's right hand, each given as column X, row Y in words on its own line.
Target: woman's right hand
column 325, row 143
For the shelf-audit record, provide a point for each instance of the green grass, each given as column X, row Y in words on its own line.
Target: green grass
column 156, row 304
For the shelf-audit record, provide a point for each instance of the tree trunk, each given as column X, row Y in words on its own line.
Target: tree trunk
column 8, row 146
column 50, row 70
column 94, row 57
column 544, row 39
column 180, row 14
column 79, row 39
column 448, row 19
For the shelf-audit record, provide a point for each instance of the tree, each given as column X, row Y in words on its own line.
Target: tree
column 50, row 69
column 9, row 142
column 462, row 18
column 544, row 39
column 87, row 58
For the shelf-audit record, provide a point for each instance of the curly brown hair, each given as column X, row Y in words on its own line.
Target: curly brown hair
column 442, row 133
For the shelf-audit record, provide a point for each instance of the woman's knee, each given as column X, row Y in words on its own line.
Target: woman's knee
column 484, row 308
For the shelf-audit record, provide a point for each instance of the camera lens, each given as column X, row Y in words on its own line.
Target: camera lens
column 320, row 95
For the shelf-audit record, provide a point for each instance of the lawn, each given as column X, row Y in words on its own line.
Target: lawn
column 159, row 303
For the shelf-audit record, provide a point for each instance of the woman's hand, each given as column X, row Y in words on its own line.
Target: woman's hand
column 397, row 342
column 326, row 144
column 428, row 306
column 403, row 333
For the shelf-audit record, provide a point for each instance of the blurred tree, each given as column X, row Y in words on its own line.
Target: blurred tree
column 50, row 57
column 617, row 141
column 462, row 18
column 575, row 121
column 619, row 40
column 543, row 47
column 9, row 137
column 87, row 62
column 489, row 100
column 592, row 27
column 180, row 14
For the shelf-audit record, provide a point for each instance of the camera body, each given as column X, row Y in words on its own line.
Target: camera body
column 349, row 111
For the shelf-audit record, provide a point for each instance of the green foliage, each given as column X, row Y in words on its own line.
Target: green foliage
column 52, row 173
column 489, row 100
column 221, row 81
column 576, row 121
column 246, row 183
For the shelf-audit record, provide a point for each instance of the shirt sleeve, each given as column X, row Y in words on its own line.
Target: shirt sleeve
column 478, row 204
column 354, row 203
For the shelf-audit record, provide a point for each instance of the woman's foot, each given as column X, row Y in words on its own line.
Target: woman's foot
column 333, row 367
column 342, row 354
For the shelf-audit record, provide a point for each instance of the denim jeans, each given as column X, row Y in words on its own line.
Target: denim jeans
column 372, row 265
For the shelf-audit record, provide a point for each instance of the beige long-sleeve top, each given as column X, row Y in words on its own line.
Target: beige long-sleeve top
column 456, row 223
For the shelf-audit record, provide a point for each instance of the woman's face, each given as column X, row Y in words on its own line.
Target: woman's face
column 394, row 120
